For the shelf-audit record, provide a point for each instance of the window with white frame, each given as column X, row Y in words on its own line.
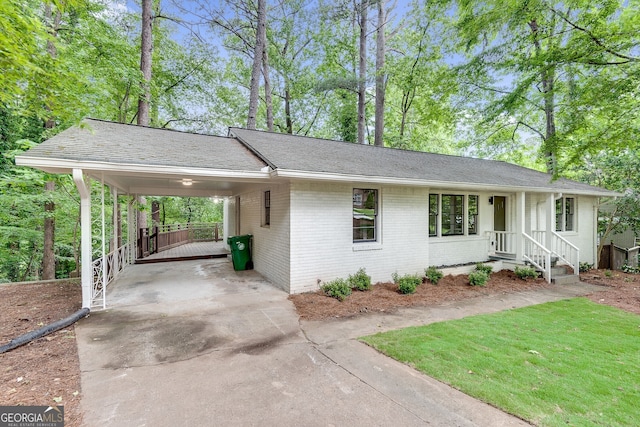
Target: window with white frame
column 565, row 214
column 453, row 214
column 365, row 215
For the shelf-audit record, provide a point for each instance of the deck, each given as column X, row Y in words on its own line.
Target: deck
column 188, row 251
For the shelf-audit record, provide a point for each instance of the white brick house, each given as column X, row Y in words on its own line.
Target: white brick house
column 320, row 209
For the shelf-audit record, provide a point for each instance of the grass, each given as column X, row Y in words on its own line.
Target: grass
column 571, row 362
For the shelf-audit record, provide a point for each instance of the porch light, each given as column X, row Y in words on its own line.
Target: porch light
column 187, row 182
column 491, row 200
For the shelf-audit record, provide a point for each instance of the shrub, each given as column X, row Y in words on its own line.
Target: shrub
column 360, row 281
column 585, row 266
column 629, row 269
column 526, row 272
column 478, row 278
column 407, row 284
column 433, row 274
column 338, row 289
column 484, row 268
column 608, row 273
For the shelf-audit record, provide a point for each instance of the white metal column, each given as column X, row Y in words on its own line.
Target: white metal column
column 132, row 229
column 115, row 249
column 85, row 239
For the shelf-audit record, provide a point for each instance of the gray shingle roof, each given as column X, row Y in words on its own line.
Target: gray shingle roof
column 298, row 153
column 102, row 141
column 249, row 150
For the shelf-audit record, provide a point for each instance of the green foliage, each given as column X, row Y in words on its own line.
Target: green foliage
column 360, row 281
column 585, row 266
column 629, row 269
column 525, row 273
column 478, row 278
column 408, row 283
column 485, row 268
column 338, row 289
column 433, row 275
column 608, row 274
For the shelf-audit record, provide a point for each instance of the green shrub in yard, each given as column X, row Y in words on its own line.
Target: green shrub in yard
column 338, row 289
column 407, row 284
column 484, row 268
column 526, row 272
column 360, row 281
column 478, row 278
column 585, row 266
column 433, row 274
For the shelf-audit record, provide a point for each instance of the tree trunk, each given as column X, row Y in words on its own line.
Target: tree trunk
column 267, row 89
column 547, row 77
column 48, row 253
column 261, row 36
column 380, row 76
column 362, row 70
column 48, row 249
column 146, row 48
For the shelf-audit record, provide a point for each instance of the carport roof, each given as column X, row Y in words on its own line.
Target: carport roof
column 144, row 160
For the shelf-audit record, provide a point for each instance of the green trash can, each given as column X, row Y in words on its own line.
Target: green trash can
column 241, row 252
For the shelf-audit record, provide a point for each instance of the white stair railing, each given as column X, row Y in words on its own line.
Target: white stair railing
column 537, row 255
column 566, row 251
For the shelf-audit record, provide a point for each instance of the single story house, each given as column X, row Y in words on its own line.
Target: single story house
column 321, row 209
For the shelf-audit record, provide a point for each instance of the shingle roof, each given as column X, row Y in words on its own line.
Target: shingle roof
column 298, row 153
column 249, row 151
column 102, row 141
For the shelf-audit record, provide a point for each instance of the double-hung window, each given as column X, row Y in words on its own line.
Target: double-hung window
column 365, row 215
column 565, row 214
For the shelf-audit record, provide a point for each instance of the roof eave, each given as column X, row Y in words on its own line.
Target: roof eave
column 62, row 166
column 325, row 176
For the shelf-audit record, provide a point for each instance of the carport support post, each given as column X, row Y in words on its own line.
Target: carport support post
column 85, row 240
column 116, row 230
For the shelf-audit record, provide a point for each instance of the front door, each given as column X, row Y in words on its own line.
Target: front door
column 499, row 213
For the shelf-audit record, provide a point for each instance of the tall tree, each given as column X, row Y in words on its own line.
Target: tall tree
column 258, row 55
column 381, row 51
column 363, row 9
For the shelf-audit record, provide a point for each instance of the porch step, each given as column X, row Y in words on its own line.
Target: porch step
column 565, row 279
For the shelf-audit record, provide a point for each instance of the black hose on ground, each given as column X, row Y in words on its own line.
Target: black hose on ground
column 45, row 330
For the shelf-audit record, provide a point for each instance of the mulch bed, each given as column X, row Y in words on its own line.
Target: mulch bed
column 44, row 372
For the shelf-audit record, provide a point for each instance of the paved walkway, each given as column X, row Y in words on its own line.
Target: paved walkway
column 195, row 343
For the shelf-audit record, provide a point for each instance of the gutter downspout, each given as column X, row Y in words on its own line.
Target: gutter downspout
column 85, row 239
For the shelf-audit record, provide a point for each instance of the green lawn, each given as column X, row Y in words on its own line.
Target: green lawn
column 570, row 362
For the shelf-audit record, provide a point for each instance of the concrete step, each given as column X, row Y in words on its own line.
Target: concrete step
column 565, row 279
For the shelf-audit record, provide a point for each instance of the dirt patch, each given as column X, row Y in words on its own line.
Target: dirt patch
column 45, row 372
column 621, row 290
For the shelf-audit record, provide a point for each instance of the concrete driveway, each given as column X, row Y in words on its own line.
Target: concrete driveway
column 196, row 344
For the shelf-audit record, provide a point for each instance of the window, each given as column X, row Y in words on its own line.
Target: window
column 472, row 214
column 433, row 214
column 365, row 215
column 452, row 215
column 447, row 215
column 565, row 212
column 267, row 208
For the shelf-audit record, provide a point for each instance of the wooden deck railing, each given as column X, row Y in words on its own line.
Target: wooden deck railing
column 163, row 237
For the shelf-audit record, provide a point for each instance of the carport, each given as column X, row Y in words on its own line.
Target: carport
column 140, row 161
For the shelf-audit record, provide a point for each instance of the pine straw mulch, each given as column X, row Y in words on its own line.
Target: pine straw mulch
column 620, row 290
column 44, row 372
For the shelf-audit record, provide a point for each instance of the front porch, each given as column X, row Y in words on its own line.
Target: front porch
column 533, row 239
